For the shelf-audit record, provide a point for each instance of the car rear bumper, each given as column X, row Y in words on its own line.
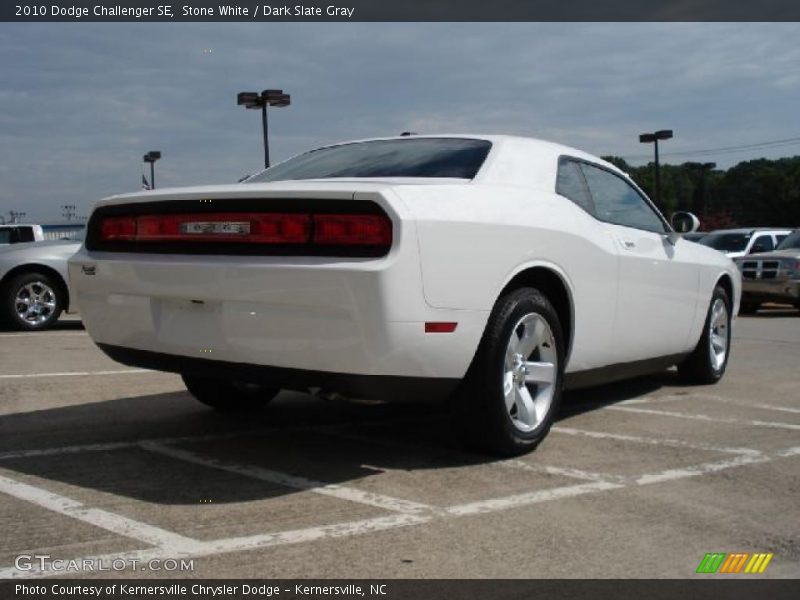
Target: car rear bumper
column 314, row 315
column 383, row 387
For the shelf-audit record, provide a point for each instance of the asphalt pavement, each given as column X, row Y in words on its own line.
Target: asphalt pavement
column 102, row 463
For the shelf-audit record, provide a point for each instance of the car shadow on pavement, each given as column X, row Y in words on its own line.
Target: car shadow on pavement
column 60, row 325
column 166, row 449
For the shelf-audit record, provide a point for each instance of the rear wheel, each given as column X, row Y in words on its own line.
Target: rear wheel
column 228, row 395
column 511, row 393
column 32, row 301
column 707, row 363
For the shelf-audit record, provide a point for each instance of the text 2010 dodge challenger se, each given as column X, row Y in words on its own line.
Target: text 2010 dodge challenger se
column 492, row 270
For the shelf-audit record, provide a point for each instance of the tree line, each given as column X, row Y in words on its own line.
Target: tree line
column 754, row 193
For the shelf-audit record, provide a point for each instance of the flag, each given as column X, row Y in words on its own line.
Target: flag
column 145, row 185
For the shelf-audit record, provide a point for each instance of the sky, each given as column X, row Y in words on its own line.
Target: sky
column 80, row 103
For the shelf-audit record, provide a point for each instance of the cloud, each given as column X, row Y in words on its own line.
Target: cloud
column 81, row 103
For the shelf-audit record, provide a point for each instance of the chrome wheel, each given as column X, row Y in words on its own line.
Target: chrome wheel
column 719, row 334
column 35, row 303
column 529, row 372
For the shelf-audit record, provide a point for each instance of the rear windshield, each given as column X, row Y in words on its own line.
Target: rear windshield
column 421, row 157
column 727, row 242
column 790, row 243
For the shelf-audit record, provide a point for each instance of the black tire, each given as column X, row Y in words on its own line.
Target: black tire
column 42, row 289
column 227, row 395
column 748, row 307
column 486, row 424
column 699, row 367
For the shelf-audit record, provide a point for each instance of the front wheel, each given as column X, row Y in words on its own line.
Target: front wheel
column 510, row 395
column 227, row 395
column 707, row 363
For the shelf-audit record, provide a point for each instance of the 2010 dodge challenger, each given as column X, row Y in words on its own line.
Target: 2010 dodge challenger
column 491, row 270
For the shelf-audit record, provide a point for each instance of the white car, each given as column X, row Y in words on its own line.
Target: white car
column 491, row 270
column 34, row 287
column 736, row 243
column 18, row 233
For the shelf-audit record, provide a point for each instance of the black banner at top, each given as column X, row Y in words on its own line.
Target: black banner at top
column 398, row 10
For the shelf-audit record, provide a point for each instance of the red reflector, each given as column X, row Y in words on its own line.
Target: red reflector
column 118, row 228
column 352, row 230
column 440, row 327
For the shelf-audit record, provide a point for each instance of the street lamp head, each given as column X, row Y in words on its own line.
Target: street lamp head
column 282, row 100
column 270, row 95
column 248, row 99
column 152, row 156
column 662, row 134
column 275, row 98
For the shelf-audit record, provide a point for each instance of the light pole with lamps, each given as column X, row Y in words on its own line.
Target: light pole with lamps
column 647, row 138
column 151, row 157
column 266, row 98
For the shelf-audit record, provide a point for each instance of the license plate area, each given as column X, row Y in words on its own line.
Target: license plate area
column 188, row 323
column 216, row 228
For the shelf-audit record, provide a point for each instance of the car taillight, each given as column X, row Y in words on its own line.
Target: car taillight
column 118, row 228
column 256, row 228
column 352, row 230
column 288, row 229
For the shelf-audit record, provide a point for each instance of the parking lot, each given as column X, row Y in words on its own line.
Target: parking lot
column 638, row 479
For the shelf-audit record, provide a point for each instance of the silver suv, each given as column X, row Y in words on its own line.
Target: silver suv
column 771, row 276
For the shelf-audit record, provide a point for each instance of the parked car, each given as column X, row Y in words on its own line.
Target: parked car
column 772, row 276
column 18, row 233
column 34, row 287
column 491, row 270
column 741, row 242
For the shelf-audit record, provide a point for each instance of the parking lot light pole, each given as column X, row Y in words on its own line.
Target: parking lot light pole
column 254, row 100
column 151, row 157
column 647, row 138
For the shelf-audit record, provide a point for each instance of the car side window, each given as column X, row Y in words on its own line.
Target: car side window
column 25, row 234
column 571, row 184
column 763, row 243
column 616, row 201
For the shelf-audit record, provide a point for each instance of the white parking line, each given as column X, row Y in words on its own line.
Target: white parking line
column 93, row 516
column 703, row 397
column 175, row 546
column 199, row 549
column 292, row 481
column 700, row 417
column 527, row 498
column 77, row 373
column 654, row 441
column 515, row 463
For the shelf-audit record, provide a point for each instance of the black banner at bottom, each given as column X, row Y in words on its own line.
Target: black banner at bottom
column 399, row 589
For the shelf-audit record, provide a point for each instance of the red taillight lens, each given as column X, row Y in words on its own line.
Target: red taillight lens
column 319, row 234
column 118, row 228
column 266, row 228
column 353, row 230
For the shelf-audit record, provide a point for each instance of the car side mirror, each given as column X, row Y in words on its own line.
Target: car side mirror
column 685, row 222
